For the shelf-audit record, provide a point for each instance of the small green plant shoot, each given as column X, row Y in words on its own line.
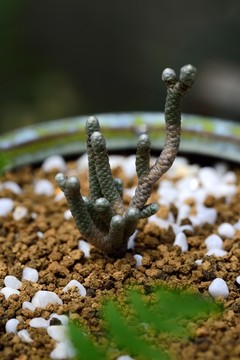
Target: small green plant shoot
column 162, row 312
column 102, row 218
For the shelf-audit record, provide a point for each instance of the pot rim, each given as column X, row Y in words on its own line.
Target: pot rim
column 201, row 135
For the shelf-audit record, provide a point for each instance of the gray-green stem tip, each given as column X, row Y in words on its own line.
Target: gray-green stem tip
column 61, row 180
column 73, row 183
column 187, row 74
column 169, row 76
column 92, row 124
column 98, row 141
column 102, row 204
column 144, row 141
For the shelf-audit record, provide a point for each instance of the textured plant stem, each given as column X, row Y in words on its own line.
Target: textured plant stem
column 175, row 92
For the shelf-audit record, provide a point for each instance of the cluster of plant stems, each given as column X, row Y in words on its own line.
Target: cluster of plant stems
column 102, row 218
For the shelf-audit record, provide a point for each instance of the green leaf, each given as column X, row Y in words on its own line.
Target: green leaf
column 127, row 338
column 83, row 344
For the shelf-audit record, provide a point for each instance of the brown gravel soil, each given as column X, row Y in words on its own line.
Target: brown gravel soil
column 48, row 242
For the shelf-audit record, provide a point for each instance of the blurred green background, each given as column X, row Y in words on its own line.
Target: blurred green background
column 63, row 58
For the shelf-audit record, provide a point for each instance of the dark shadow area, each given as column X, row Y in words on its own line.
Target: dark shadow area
column 61, row 59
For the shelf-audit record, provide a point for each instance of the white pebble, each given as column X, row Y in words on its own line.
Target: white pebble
column 63, row 350
column 67, row 215
column 54, row 162
column 229, row 177
column 39, row 322
column 30, row 274
column 198, row 261
column 75, row 283
column 218, row 287
column 40, row 234
column 124, row 357
column 216, row 252
column 12, row 282
column 181, row 240
column 238, row 279
column 43, row 187
column 128, row 166
column 59, row 196
column 20, row 212
column 227, row 230
column 183, row 212
column 28, row 305
column 6, row 206
column 12, row 186
column 24, row 336
column 11, row 325
column 130, row 191
column 205, row 215
column 213, row 242
column 131, row 240
column 85, row 247
column 57, row 332
column 116, row 161
column 42, row 298
column 237, row 225
column 208, row 177
column 7, row 291
column 138, row 259
column 63, row 318
column 82, row 163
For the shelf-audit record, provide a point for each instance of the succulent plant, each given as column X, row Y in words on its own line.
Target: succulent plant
column 102, row 218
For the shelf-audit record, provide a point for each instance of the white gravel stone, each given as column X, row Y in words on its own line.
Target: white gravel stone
column 12, row 282
column 213, row 241
column 12, row 186
column 63, row 350
column 54, row 162
column 20, row 212
column 216, row 252
column 6, row 206
column 209, row 177
column 75, row 283
column 206, row 215
column 129, row 166
column 218, row 287
column 67, row 215
column 42, row 298
column 237, row 225
column 183, row 212
column 227, row 230
column 116, row 161
column 30, row 274
column 24, row 336
column 59, row 196
column 63, row 318
column 43, row 187
column 124, row 357
column 199, row 261
column 131, row 240
column 28, row 305
column 229, row 177
column 138, row 259
column 39, row 322
column 11, row 325
column 238, row 279
column 40, row 234
column 82, row 163
column 57, row 332
column 7, row 291
column 85, row 247
column 181, row 240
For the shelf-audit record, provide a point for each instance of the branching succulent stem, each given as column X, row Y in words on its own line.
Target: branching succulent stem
column 102, row 218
